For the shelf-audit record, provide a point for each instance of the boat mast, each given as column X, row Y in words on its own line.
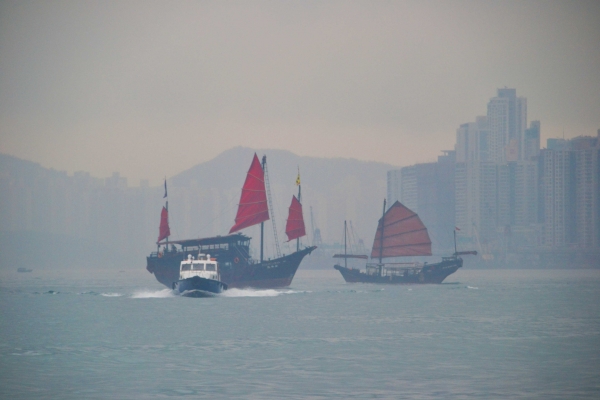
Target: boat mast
column 262, row 224
column 345, row 252
column 167, row 207
column 299, row 201
column 455, row 251
column 381, row 246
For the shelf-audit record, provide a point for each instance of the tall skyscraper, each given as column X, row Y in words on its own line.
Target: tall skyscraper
column 507, row 119
column 496, row 175
column 571, row 192
column 394, row 182
column 558, row 196
column 531, row 141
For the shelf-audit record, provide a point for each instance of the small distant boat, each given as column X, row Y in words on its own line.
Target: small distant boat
column 401, row 233
column 199, row 277
column 22, row 269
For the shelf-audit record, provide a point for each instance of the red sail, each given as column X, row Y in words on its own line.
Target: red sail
column 295, row 223
column 403, row 234
column 253, row 207
column 163, row 230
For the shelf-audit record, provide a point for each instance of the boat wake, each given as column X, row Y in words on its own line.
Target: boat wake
column 258, row 293
column 157, row 294
column 92, row 293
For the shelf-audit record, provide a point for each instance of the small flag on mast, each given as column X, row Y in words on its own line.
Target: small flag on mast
column 165, row 188
column 298, row 178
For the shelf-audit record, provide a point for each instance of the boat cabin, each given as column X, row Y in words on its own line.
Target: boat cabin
column 203, row 266
column 408, row 269
column 228, row 249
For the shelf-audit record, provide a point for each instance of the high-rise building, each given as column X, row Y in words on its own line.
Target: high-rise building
column 428, row 190
column 507, row 119
column 497, row 173
column 472, row 141
column 558, row 196
column 394, row 182
column 570, row 188
column 476, row 203
column 531, row 141
column 587, row 190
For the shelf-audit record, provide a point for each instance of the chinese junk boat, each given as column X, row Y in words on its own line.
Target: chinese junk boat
column 199, row 277
column 232, row 252
column 401, row 233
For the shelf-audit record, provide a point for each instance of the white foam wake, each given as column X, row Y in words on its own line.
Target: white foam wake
column 147, row 294
column 256, row 293
column 111, row 294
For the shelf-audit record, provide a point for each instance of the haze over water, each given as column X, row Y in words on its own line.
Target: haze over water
column 482, row 334
column 153, row 89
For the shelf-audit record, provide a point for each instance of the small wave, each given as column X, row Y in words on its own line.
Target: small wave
column 147, row 294
column 28, row 353
column 111, row 294
column 356, row 291
column 258, row 293
column 90, row 293
column 473, row 287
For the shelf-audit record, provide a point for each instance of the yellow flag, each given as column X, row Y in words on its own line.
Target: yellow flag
column 298, row 178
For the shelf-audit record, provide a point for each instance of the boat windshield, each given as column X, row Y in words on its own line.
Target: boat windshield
column 198, row 267
column 211, row 267
column 186, row 267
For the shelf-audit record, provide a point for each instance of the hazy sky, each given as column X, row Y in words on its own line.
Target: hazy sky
column 150, row 88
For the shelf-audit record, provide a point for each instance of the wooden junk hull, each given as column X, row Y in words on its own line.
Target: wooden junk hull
column 236, row 272
column 429, row 273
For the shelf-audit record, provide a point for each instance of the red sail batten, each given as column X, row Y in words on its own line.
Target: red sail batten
column 253, row 208
column 404, row 234
column 163, row 230
column 294, row 227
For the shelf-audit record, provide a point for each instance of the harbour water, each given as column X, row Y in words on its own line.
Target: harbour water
column 482, row 334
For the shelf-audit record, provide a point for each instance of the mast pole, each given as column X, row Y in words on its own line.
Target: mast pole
column 262, row 224
column 167, row 207
column 455, row 251
column 299, row 201
column 345, row 252
column 381, row 246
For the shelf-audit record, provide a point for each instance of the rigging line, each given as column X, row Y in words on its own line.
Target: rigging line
column 350, row 238
column 270, row 204
column 353, row 240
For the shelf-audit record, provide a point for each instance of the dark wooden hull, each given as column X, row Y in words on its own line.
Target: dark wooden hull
column 269, row 274
column 429, row 273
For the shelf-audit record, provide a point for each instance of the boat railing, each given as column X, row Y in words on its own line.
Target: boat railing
column 404, row 270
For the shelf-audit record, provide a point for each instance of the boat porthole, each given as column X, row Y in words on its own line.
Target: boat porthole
column 236, row 260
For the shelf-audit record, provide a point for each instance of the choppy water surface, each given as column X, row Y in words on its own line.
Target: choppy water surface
column 483, row 334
